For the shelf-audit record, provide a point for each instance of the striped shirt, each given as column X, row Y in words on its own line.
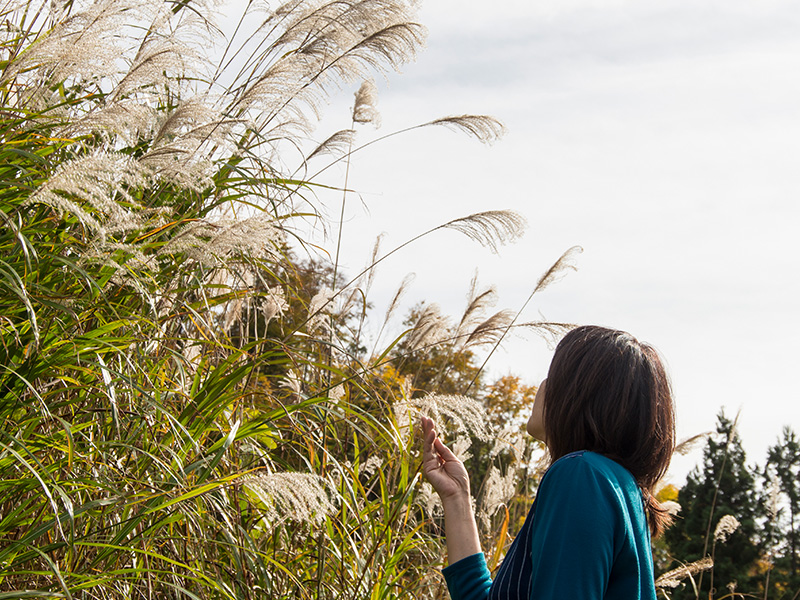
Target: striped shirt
column 585, row 538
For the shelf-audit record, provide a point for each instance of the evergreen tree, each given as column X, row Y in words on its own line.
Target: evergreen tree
column 782, row 475
column 722, row 486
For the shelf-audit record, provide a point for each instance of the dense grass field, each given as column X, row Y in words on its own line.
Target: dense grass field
column 190, row 405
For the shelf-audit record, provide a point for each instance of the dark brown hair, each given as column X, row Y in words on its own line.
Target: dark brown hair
column 609, row 393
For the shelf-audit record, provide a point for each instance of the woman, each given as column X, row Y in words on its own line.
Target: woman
column 605, row 413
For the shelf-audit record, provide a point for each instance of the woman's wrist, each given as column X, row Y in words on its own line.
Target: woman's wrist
column 460, row 528
column 458, row 503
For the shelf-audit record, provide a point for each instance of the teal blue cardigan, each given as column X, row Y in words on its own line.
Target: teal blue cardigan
column 585, row 538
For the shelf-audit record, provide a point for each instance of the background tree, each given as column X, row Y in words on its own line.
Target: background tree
column 782, row 499
column 722, row 486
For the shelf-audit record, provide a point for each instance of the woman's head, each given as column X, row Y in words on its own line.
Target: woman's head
column 609, row 393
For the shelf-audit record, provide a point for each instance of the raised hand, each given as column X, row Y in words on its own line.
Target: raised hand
column 441, row 467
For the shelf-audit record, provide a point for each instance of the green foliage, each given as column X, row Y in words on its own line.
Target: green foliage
column 185, row 413
column 782, row 482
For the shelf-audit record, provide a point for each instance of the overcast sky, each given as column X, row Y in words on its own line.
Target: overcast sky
column 663, row 138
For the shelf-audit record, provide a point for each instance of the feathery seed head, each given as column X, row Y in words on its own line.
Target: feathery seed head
column 672, row 507
column 491, row 228
column 499, row 489
column 336, row 393
column 430, row 329
column 487, row 129
column 461, row 448
column 687, row 445
column 95, row 188
column 491, row 330
column 313, row 46
column 429, row 500
column 551, row 332
column 725, row 527
column 215, row 243
column 477, row 303
column 365, row 108
column 774, row 496
column 398, row 295
column 672, row 579
column 373, row 464
column 559, row 268
column 273, row 304
column 337, row 144
column 459, row 416
column 292, row 496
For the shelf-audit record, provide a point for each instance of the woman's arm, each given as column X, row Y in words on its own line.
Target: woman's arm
column 450, row 479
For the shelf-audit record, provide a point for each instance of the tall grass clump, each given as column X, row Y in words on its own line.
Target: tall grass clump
column 187, row 408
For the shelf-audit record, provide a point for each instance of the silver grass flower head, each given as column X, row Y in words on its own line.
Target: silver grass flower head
column 430, row 329
column 273, row 304
column 360, row 289
column 365, row 107
column 686, row 445
column 136, row 267
column 233, row 313
column 491, row 229
column 193, row 121
column 559, row 268
column 725, row 527
column 217, row 242
column 483, row 127
column 337, row 393
column 498, row 490
column 454, row 415
column 672, row 579
column 491, row 330
column 320, row 302
column 511, row 437
column 429, row 500
column 186, row 142
column 774, row 496
column 401, row 411
column 398, row 295
column 95, row 189
column 314, row 46
column 126, row 121
column 461, row 448
column 372, row 465
column 337, row 144
column 477, row 303
column 319, row 318
column 672, row 507
column 293, row 382
column 82, row 45
column 300, row 497
column 373, row 259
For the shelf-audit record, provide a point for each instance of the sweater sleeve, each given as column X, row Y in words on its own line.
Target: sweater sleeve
column 573, row 533
column 468, row 578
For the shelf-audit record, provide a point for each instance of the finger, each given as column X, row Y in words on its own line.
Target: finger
column 444, row 451
column 427, row 425
column 429, row 452
column 427, row 442
column 429, row 433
